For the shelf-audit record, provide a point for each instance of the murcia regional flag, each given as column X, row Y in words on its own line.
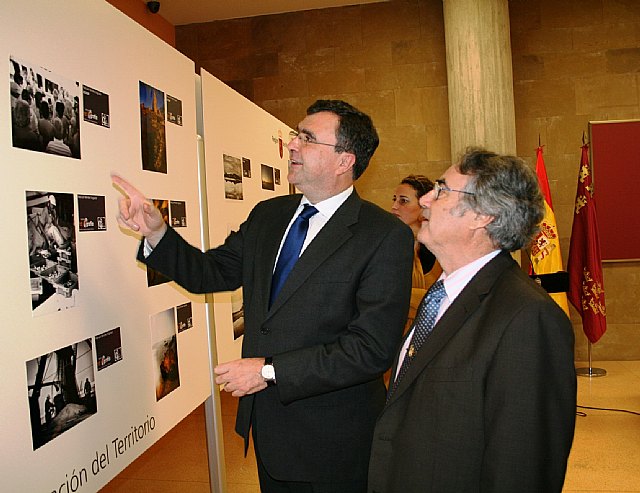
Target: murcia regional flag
column 545, row 248
column 586, row 284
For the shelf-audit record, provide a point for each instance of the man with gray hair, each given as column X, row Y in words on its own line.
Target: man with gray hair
column 483, row 392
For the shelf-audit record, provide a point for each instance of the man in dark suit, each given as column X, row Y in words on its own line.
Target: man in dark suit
column 487, row 402
column 310, row 378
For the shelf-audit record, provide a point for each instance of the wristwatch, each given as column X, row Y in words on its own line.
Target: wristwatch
column 268, row 371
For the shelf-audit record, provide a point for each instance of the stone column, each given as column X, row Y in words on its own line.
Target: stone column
column 480, row 78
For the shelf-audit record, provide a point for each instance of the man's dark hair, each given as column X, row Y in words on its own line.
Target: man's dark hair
column 355, row 134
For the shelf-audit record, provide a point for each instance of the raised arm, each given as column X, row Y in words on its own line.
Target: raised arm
column 137, row 213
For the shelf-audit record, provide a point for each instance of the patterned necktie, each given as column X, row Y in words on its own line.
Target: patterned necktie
column 423, row 325
column 291, row 250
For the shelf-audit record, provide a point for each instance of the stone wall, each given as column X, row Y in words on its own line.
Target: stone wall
column 573, row 61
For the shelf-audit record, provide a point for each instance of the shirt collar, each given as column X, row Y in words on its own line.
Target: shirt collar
column 455, row 282
column 328, row 207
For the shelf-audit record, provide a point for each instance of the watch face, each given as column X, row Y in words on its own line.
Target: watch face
column 268, row 372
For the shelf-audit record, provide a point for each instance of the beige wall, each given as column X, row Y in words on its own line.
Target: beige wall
column 573, row 61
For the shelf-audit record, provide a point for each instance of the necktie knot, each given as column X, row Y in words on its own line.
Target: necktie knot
column 307, row 212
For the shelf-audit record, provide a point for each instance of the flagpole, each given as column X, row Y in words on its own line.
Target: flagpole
column 590, row 371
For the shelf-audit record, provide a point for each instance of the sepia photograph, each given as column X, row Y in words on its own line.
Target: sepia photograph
column 153, row 137
column 164, row 352
column 267, row 177
column 61, row 391
column 53, row 266
column 232, row 177
column 45, row 110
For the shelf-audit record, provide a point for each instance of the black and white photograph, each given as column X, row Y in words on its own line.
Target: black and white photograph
column 61, row 391
column 108, row 348
column 164, row 351
column 266, row 172
column 178, row 210
column 45, row 110
column 246, row 167
column 184, row 316
column 53, row 266
column 96, row 106
column 237, row 313
column 232, row 177
column 153, row 136
column 92, row 214
column 154, row 278
column 174, row 110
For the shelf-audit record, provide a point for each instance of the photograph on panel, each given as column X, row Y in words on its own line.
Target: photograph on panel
column 178, row 211
column 164, row 349
column 92, row 214
column 108, row 348
column 267, row 177
column 246, row 167
column 237, row 313
column 96, row 107
column 174, row 110
column 154, row 277
column 232, row 177
column 61, row 391
column 45, row 110
column 276, row 176
column 53, row 265
column 184, row 315
column 153, row 137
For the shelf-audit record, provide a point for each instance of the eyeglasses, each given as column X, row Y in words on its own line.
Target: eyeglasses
column 307, row 139
column 440, row 186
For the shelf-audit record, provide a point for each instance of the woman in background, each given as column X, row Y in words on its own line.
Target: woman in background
column 426, row 269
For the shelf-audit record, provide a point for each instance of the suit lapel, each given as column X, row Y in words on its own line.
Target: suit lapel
column 467, row 302
column 332, row 236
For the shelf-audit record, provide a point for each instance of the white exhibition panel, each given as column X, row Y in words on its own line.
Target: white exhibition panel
column 236, row 127
column 91, row 42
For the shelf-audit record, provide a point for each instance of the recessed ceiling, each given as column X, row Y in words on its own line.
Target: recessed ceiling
column 180, row 12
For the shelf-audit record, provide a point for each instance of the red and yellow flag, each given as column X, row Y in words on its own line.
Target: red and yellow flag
column 545, row 248
column 586, row 287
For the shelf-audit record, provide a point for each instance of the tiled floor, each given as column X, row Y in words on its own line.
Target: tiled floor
column 605, row 457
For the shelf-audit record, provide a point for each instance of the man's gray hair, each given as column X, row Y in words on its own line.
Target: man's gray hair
column 505, row 188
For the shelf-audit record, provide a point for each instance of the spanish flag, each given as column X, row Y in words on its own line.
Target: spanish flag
column 545, row 248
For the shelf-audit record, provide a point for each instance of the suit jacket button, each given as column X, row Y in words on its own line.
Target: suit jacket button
column 265, row 330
